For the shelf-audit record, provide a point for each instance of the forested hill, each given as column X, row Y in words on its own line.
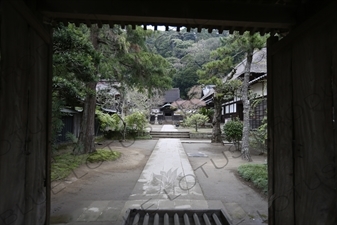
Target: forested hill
column 186, row 51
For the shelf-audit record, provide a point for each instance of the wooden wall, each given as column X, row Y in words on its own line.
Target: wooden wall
column 24, row 116
column 302, row 100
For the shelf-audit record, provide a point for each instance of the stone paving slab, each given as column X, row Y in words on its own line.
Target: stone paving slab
column 235, row 210
column 112, row 212
column 167, row 174
column 94, row 210
column 168, row 127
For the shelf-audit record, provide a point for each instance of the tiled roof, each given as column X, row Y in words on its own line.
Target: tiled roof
column 172, row 95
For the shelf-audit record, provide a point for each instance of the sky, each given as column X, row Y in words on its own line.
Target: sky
column 161, row 28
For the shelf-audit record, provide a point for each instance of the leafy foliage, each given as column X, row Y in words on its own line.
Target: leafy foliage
column 187, row 52
column 259, row 136
column 146, row 71
column 129, row 63
column 71, row 137
column 82, row 57
column 256, row 173
column 196, row 120
column 216, row 73
column 247, row 43
column 56, row 121
column 136, row 122
column 207, row 112
column 107, row 121
column 233, row 130
column 74, row 62
column 116, row 127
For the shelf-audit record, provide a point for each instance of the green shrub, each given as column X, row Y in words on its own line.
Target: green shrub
column 108, row 122
column 135, row 123
column 71, row 137
column 196, row 120
column 259, row 136
column 233, row 130
column 56, row 120
column 256, row 173
column 207, row 112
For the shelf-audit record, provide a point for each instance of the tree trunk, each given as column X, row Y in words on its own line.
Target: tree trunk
column 246, row 108
column 216, row 131
column 122, row 103
column 87, row 134
column 86, row 140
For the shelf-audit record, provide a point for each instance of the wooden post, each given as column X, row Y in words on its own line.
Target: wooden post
column 270, row 119
column 302, row 98
column 24, row 116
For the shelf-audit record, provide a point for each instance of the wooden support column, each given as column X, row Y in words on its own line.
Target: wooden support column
column 302, row 98
column 280, row 122
column 25, row 104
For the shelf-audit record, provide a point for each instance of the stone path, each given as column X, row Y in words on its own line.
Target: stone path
column 168, row 181
column 168, row 127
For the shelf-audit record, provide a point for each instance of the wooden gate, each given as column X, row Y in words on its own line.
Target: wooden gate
column 302, row 98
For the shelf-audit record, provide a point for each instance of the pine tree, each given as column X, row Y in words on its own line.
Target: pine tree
column 247, row 43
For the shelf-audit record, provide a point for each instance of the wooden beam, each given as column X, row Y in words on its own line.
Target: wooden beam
column 317, row 19
column 31, row 19
column 212, row 13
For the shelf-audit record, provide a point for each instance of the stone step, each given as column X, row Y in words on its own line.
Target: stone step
column 170, row 134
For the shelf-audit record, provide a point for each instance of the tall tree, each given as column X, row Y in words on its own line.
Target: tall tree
column 247, row 43
column 111, row 54
column 87, row 134
column 145, row 71
column 74, row 61
column 215, row 73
